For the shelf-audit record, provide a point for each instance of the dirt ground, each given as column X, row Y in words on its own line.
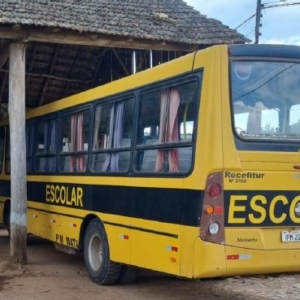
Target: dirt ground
column 53, row 275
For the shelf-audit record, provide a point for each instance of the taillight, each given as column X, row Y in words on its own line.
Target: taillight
column 212, row 215
column 215, row 190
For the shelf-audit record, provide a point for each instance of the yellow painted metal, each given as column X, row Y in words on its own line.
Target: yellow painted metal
column 262, row 262
column 209, row 260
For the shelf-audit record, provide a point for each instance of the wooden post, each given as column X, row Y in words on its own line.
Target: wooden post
column 16, row 110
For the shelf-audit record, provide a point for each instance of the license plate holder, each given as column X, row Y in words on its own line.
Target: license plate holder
column 290, row 236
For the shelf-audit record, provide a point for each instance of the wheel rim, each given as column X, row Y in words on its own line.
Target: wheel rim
column 95, row 252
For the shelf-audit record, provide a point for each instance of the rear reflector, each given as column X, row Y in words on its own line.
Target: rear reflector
column 232, row 256
column 239, row 256
column 219, row 210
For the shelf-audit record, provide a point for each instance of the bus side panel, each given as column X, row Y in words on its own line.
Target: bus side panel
column 155, row 250
column 119, row 237
column 209, row 260
column 188, row 236
column 53, row 225
column 60, row 227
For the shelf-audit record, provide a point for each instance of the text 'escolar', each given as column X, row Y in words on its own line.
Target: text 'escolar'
column 60, row 194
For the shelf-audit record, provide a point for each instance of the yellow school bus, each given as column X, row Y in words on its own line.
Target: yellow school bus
column 191, row 168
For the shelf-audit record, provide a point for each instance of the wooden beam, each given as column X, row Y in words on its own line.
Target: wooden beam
column 4, row 56
column 18, row 195
column 120, row 61
column 116, row 73
column 78, row 53
column 97, row 70
column 3, row 84
column 142, row 61
column 31, row 63
column 49, row 76
column 72, row 37
column 43, row 93
column 32, row 57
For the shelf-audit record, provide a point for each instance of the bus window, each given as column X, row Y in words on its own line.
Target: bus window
column 166, row 123
column 112, row 137
column 102, row 121
column 269, row 121
column 262, row 93
column 46, row 146
column 294, row 124
column 75, row 142
column 186, row 130
column 256, row 122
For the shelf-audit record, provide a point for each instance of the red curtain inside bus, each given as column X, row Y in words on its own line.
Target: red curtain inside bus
column 168, row 129
column 77, row 162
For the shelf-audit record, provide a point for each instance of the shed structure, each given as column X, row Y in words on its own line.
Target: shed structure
column 73, row 45
column 50, row 49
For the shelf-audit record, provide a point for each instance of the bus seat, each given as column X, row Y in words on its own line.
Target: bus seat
column 124, row 160
column 125, row 142
column 185, row 159
column 124, row 157
column 65, row 163
column 97, row 161
column 40, row 164
column 149, row 160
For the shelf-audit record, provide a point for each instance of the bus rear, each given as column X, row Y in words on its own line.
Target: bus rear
column 251, row 210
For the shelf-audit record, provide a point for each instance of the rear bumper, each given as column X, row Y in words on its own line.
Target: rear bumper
column 213, row 260
column 261, row 261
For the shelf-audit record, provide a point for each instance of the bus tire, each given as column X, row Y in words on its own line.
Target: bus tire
column 128, row 275
column 100, row 268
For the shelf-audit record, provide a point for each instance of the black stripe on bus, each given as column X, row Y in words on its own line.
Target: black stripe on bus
column 54, row 212
column 108, row 223
column 168, row 205
column 278, row 51
column 263, row 145
column 143, row 230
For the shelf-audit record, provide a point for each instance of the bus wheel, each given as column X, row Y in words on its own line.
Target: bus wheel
column 128, row 275
column 96, row 255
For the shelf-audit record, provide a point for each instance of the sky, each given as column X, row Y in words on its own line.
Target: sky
column 280, row 25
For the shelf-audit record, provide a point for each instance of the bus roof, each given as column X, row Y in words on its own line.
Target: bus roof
column 265, row 50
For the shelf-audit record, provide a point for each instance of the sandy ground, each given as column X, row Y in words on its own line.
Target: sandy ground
column 53, row 275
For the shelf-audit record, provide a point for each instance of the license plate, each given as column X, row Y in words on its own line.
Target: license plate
column 290, row 236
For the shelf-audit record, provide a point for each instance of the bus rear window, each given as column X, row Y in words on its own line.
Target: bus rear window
column 266, row 100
